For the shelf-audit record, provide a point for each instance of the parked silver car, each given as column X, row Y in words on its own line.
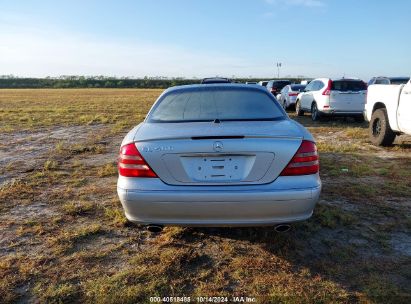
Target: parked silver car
column 218, row 155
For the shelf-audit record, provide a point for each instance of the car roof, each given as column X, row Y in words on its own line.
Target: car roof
column 321, row 79
column 198, row 87
column 296, row 85
column 215, row 80
column 337, row 79
column 347, row 78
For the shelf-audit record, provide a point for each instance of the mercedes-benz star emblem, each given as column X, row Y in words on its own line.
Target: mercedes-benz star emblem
column 218, row 146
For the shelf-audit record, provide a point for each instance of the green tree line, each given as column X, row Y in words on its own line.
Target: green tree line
column 10, row 82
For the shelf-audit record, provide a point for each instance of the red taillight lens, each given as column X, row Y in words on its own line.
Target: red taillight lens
column 132, row 164
column 304, row 162
column 327, row 90
column 292, row 94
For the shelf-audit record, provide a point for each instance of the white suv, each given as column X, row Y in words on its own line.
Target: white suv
column 326, row 97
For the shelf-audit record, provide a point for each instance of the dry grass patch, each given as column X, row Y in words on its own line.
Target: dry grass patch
column 34, row 108
column 59, row 293
column 116, row 215
column 68, row 237
column 107, row 170
column 357, row 133
column 78, row 208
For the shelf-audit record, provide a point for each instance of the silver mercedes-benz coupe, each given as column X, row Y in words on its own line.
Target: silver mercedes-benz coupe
column 218, row 155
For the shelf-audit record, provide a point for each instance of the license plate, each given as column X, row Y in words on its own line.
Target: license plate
column 216, row 168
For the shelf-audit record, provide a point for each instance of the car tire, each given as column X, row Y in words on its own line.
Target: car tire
column 315, row 114
column 298, row 109
column 379, row 130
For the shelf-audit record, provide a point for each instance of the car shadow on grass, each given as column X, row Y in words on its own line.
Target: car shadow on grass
column 351, row 242
column 330, row 122
column 334, row 257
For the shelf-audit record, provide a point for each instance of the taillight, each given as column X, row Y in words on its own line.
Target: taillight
column 327, row 90
column 292, row 94
column 132, row 164
column 304, row 162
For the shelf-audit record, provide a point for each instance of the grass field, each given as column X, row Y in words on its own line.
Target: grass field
column 63, row 236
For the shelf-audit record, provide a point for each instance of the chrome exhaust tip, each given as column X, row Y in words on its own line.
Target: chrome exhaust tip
column 282, row 228
column 154, row 228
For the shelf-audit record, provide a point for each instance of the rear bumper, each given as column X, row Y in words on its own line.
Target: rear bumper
column 333, row 112
column 227, row 207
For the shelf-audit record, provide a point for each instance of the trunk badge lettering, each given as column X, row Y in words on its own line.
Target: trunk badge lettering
column 157, row 149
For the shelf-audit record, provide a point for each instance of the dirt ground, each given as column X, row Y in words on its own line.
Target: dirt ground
column 63, row 236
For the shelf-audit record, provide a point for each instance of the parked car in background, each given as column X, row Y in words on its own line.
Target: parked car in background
column 388, row 80
column 212, row 80
column 251, row 82
column 288, row 95
column 275, row 86
column 326, row 97
column 263, row 83
column 388, row 109
column 240, row 161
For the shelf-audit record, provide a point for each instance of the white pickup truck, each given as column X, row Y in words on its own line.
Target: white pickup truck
column 388, row 109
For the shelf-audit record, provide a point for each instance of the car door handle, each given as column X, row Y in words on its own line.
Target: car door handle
column 407, row 92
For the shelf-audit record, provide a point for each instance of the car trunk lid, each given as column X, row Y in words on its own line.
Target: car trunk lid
column 226, row 153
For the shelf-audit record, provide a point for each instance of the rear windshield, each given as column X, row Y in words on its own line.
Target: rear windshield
column 297, row 88
column 348, row 85
column 280, row 84
column 382, row 81
column 399, row 80
column 222, row 104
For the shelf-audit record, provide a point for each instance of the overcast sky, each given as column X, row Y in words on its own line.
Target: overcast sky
column 186, row 38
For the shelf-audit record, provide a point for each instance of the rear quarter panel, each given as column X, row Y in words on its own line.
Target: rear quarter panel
column 388, row 95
